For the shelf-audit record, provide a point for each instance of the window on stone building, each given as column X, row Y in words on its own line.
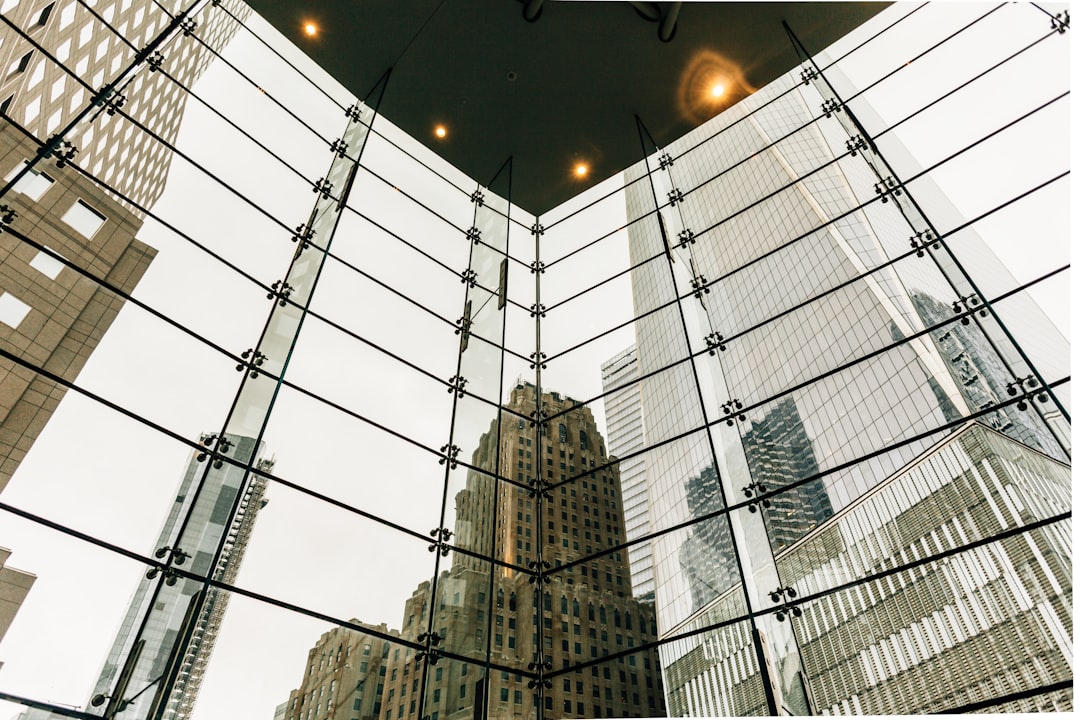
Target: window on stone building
column 12, row 310
column 47, row 265
column 33, row 184
column 84, row 219
column 43, row 16
column 20, row 65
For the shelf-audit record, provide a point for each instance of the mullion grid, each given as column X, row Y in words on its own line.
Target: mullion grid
column 487, row 472
column 921, row 223
column 771, row 493
column 776, row 191
column 261, row 285
column 885, row 265
column 772, row 702
column 162, row 692
column 319, row 87
column 541, row 666
column 280, row 223
column 259, row 371
column 791, row 698
column 269, row 152
column 848, row 213
column 983, row 412
column 719, row 132
column 990, row 302
column 430, row 638
column 230, row 424
column 485, row 687
column 891, row 539
column 730, row 126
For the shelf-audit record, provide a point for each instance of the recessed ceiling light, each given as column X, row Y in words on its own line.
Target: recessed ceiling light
column 311, row 29
column 440, row 131
column 581, row 170
column 717, row 90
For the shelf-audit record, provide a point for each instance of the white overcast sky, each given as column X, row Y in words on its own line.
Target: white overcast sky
column 114, row 478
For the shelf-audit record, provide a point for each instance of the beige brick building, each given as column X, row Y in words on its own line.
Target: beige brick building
column 343, row 677
column 586, row 611
column 51, row 315
column 54, row 57
column 14, row 585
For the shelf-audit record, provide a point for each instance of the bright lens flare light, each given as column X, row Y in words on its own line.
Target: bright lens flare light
column 581, row 170
column 440, row 131
column 311, row 29
column 717, row 90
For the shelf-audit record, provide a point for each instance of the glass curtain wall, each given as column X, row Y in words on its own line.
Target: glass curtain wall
column 356, row 389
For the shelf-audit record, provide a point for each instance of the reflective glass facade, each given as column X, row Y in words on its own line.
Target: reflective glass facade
column 429, row 443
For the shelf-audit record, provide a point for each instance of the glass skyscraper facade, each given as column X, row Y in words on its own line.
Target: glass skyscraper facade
column 839, row 437
column 626, row 435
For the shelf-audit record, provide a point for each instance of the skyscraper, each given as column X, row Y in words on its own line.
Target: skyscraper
column 56, row 56
column 622, row 411
column 937, row 630
column 59, row 54
column 145, row 646
column 343, row 676
column 832, row 340
column 587, row 611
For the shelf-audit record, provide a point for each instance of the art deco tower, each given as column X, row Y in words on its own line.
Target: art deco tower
column 586, row 611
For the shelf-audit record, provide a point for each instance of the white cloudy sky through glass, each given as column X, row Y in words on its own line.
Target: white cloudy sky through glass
column 108, row 476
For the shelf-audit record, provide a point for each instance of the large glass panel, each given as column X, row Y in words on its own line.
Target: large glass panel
column 328, row 667
column 77, row 591
column 774, row 421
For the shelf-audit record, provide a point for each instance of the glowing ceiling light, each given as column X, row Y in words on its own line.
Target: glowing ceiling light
column 440, row 131
column 717, row 90
column 581, row 170
column 311, row 29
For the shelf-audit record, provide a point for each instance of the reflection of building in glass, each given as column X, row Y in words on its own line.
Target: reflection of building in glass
column 779, row 452
column 622, row 410
column 343, row 677
column 587, row 610
column 707, row 556
column 209, row 491
column 940, row 630
column 982, row 381
column 774, row 263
